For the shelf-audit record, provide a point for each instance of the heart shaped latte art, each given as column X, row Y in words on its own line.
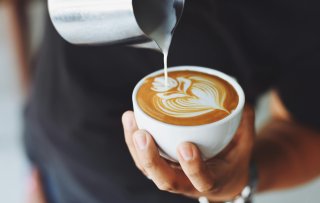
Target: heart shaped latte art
column 186, row 97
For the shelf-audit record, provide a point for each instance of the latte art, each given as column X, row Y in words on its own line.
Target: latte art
column 188, row 98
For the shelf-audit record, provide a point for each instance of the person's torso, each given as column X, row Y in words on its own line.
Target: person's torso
column 80, row 92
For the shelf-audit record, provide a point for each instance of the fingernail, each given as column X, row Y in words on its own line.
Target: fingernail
column 186, row 152
column 140, row 140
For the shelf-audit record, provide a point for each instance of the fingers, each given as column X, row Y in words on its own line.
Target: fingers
column 194, row 168
column 130, row 127
column 163, row 175
column 146, row 156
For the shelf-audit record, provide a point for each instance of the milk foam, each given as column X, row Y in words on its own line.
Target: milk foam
column 186, row 97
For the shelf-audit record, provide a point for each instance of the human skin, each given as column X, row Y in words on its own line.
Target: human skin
column 286, row 154
column 285, row 151
column 19, row 31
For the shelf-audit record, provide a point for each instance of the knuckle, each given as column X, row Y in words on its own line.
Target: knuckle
column 149, row 164
column 167, row 186
column 194, row 173
column 146, row 174
column 164, row 187
column 141, row 169
column 128, row 141
column 139, row 166
column 205, row 188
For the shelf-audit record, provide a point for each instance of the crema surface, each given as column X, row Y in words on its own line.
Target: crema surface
column 190, row 98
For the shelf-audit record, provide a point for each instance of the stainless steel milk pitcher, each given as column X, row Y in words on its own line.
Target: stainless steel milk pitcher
column 111, row 21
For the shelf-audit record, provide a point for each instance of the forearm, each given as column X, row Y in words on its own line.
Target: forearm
column 287, row 155
column 19, row 32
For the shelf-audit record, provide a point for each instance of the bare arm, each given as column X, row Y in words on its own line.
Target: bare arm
column 287, row 153
column 19, row 32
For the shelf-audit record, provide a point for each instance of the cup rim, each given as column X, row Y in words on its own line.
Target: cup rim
column 232, row 81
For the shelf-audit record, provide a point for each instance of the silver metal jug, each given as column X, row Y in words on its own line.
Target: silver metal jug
column 129, row 22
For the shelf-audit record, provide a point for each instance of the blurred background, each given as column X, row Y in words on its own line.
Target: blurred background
column 14, row 169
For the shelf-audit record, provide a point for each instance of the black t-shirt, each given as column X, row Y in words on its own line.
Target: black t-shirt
column 73, row 125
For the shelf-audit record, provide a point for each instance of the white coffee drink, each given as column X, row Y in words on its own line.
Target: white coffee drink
column 199, row 105
column 189, row 98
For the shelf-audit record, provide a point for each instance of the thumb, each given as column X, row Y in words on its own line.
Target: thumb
column 194, row 168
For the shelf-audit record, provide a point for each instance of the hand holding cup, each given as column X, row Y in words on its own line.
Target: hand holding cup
column 219, row 179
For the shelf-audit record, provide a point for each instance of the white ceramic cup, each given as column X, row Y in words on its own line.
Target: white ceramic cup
column 210, row 138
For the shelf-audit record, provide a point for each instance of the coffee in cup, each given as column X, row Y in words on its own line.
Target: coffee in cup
column 198, row 105
column 189, row 98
